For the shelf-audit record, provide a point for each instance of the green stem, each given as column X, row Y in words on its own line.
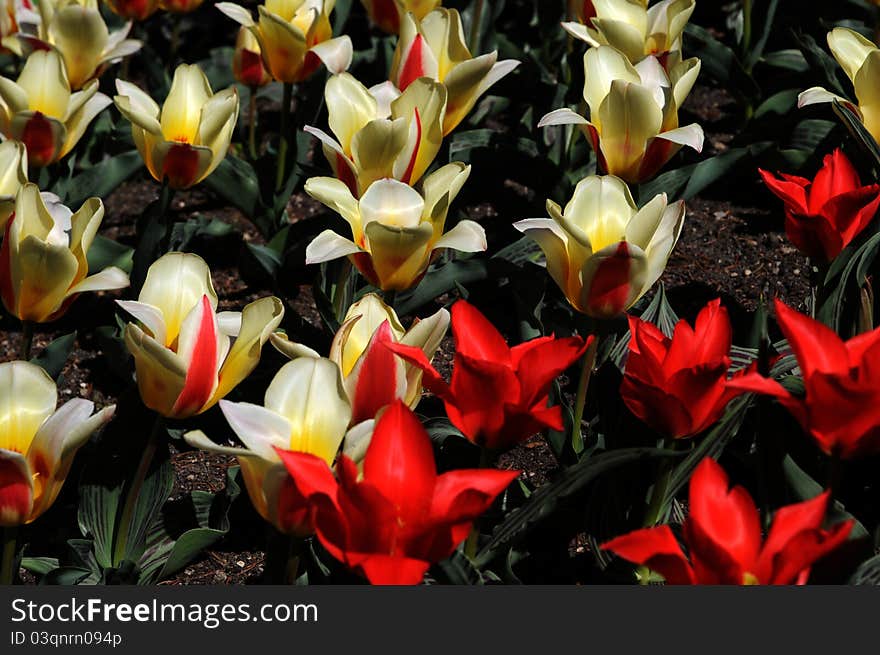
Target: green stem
column 474, row 41
column 27, row 340
column 487, row 458
column 656, row 504
column 589, row 360
column 284, row 144
column 7, row 566
column 252, row 126
column 134, row 490
column 747, row 26
column 341, row 299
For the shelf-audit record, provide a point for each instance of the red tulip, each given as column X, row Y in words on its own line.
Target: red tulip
column 723, row 538
column 400, row 517
column 823, row 216
column 677, row 386
column 841, row 406
column 498, row 395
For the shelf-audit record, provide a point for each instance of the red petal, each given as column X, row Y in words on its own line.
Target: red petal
column 792, row 564
column 413, row 67
column 657, row 549
column 377, row 381
column 482, row 392
column 39, row 140
column 791, row 191
column 475, row 336
column 610, row 288
column 431, row 379
column 201, row 376
column 816, row 347
column 415, row 153
column 544, row 363
column 16, row 494
column 836, row 176
column 393, row 570
column 310, row 473
column 181, row 165
column 7, row 288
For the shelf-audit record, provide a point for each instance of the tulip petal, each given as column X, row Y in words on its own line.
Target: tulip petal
column 817, row 95
column 399, row 255
column 77, row 122
column 689, row 135
column 337, row 196
column 467, row 236
column 291, row 349
column 27, row 399
column 377, row 378
column 44, row 80
column 564, row 116
column 328, row 246
column 197, row 347
column 236, row 12
column 149, row 315
column 16, row 489
column 850, row 49
column 160, row 373
column 335, row 53
column 260, row 429
column 816, row 346
column 657, row 549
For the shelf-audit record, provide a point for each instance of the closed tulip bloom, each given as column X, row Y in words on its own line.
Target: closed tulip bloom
column 391, row 523
column 498, row 395
column 187, row 356
column 678, row 386
column 602, row 250
column 633, row 124
column 133, row 9
column 40, row 111
column 295, row 36
column 184, row 141
column 387, row 14
column 37, row 442
column 395, row 229
column 840, row 408
column 824, row 215
column 723, row 537
column 633, row 28
column 305, row 410
column 435, row 47
column 381, row 133
column 43, row 265
column 372, row 376
column 180, row 6
column 13, row 175
column 247, row 62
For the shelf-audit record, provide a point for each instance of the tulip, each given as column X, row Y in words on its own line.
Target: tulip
column 184, row 142
column 602, row 250
column 581, row 11
column 498, row 395
column 392, row 523
column 43, row 265
column 824, row 215
column 435, row 47
column 633, row 28
column 633, row 124
column 13, row 175
column 247, row 62
column 37, row 442
column 373, row 378
column 841, row 405
column 387, row 14
column 860, row 60
column 380, row 132
column 294, row 37
column 678, row 385
column 395, row 228
column 133, row 9
column 76, row 29
column 40, row 111
column 723, row 537
column 180, row 6
column 12, row 14
column 182, row 353
column 305, row 410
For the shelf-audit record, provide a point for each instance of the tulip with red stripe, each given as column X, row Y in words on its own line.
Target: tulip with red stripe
column 247, row 63
column 387, row 14
column 186, row 355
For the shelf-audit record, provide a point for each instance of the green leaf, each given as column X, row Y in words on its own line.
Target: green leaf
column 757, row 49
column 235, row 181
column 102, row 179
column 686, row 182
column 854, row 124
column 105, row 252
column 868, row 572
column 441, row 280
column 457, row 570
column 779, row 103
column 790, row 60
column 719, row 61
column 39, row 565
column 55, row 355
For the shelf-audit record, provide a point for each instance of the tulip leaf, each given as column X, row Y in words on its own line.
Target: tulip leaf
column 719, row 62
column 820, row 61
column 852, row 277
column 55, row 355
column 854, row 124
column 235, row 181
column 755, row 50
column 868, row 572
column 457, row 570
column 40, row 565
column 440, row 280
column 779, row 103
column 105, row 252
column 789, row 59
column 686, row 182
column 101, row 179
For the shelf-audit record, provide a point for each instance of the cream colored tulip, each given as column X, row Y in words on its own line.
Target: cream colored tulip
column 294, row 36
column 184, row 142
column 187, row 356
column 13, row 175
column 43, row 265
column 305, row 410
column 247, row 62
column 12, row 14
column 381, row 133
column 602, row 250
column 37, row 442
column 435, row 47
column 40, row 111
column 387, row 14
column 395, row 229
column 633, row 124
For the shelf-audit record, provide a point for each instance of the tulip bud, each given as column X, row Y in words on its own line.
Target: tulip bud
column 133, row 9
column 188, row 138
column 247, row 63
column 602, row 250
column 387, row 14
column 13, row 175
column 40, row 111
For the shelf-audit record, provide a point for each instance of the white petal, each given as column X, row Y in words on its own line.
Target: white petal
column 335, row 53
column 236, row 12
column 260, row 429
column 689, row 135
column 564, row 116
column 150, row 315
column 328, row 246
column 467, row 236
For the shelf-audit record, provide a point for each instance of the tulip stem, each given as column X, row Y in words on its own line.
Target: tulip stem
column 476, row 19
column 589, row 360
column 252, row 123
column 747, row 27
column 27, row 340
column 487, row 459
column 7, row 567
column 284, row 144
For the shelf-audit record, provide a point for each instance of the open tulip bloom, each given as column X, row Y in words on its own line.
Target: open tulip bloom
column 435, row 47
column 43, row 265
column 633, row 123
column 391, row 523
column 372, row 376
column 39, row 109
column 395, row 229
column 294, row 37
column 723, row 538
column 184, row 353
column 841, row 405
column 824, row 215
column 13, row 176
column 387, row 14
column 602, row 250
column 37, row 443
column 381, row 133
column 498, row 395
column 184, row 141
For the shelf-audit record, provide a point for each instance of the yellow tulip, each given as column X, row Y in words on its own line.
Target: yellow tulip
column 305, row 410
column 602, row 250
column 37, row 442
column 435, row 47
column 380, row 132
column 76, row 29
column 181, row 348
column 43, row 264
column 133, row 9
column 387, row 14
column 247, row 63
column 294, row 36
column 188, row 138
column 40, row 111
column 372, row 375
column 860, row 60
column 633, row 124
column 13, row 175
column 633, row 28
column 395, row 228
